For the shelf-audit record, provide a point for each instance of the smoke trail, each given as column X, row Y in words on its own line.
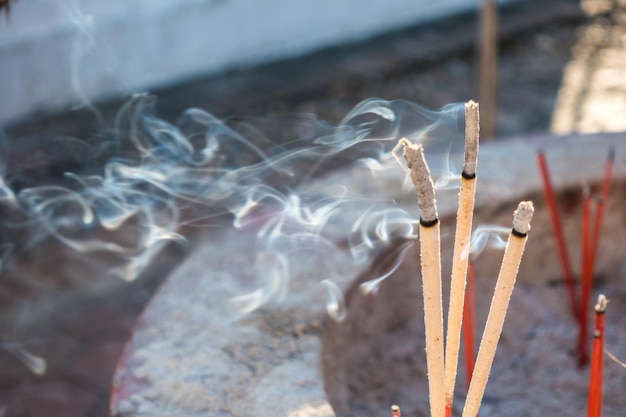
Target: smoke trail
column 487, row 236
column 159, row 176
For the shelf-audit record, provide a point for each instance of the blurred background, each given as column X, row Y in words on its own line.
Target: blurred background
column 67, row 68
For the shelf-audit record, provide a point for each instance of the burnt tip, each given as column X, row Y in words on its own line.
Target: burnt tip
column 467, row 176
column 522, row 218
column 429, row 223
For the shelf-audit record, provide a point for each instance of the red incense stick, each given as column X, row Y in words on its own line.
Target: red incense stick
column 469, row 323
column 558, row 230
column 589, row 258
column 594, row 407
column 606, row 187
column 587, row 277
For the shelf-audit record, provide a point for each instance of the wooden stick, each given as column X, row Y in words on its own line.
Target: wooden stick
column 489, row 65
column 594, row 408
column 558, row 232
column 461, row 250
column 499, row 305
column 430, row 253
column 469, row 323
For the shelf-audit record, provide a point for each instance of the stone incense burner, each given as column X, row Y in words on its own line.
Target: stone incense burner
column 193, row 355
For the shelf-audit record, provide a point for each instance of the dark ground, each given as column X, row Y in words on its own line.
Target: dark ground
column 56, row 307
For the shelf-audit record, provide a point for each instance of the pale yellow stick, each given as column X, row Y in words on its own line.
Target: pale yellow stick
column 461, row 249
column 430, row 252
column 499, row 305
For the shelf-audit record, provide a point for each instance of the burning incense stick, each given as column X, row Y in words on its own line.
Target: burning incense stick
column 594, row 408
column 558, row 231
column 499, row 305
column 461, row 250
column 430, row 254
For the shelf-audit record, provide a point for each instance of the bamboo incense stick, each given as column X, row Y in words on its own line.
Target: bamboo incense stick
column 469, row 323
column 499, row 305
column 461, row 250
column 594, row 408
column 558, row 231
column 430, row 254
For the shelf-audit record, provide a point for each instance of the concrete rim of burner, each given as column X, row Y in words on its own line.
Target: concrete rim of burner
column 188, row 357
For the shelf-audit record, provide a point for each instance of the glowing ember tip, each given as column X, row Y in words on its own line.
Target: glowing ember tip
column 522, row 217
column 420, row 175
column 472, row 129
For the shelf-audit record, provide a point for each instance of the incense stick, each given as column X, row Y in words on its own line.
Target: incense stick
column 469, row 323
column 430, row 254
column 461, row 250
column 499, row 305
column 587, row 277
column 594, row 408
column 606, row 187
column 558, row 231
column 593, row 239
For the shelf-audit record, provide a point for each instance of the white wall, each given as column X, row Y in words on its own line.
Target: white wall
column 56, row 53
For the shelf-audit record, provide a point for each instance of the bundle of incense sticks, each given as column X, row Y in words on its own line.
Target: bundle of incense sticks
column 590, row 241
column 442, row 370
